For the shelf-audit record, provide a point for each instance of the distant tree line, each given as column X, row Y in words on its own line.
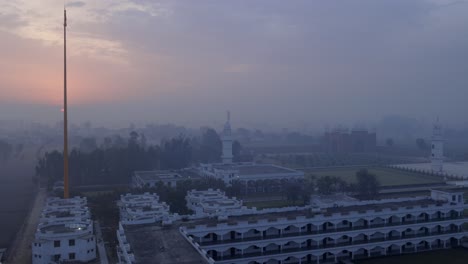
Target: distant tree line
column 366, row 187
column 8, row 150
column 114, row 161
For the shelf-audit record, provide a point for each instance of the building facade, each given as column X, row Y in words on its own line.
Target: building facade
column 65, row 233
column 137, row 209
column 334, row 234
column 212, row 203
column 254, row 177
column 356, row 141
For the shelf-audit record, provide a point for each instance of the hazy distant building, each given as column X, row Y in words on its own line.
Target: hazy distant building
column 437, row 148
column 342, row 141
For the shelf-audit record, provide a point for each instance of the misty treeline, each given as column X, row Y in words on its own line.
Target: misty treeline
column 8, row 150
column 366, row 186
column 115, row 159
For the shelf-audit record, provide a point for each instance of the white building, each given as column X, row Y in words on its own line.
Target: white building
column 124, row 251
column 342, row 233
column 212, row 203
column 136, row 209
column 150, row 179
column 226, row 138
column 249, row 173
column 437, row 148
column 65, row 233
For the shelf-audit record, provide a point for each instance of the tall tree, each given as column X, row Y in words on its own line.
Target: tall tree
column 367, row 184
column 210, row 147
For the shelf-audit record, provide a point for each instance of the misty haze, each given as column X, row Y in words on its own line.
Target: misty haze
column 225, row 132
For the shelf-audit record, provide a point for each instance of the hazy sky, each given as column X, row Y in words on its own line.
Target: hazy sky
column 280, row 62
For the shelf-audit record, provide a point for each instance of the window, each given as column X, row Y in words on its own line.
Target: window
column 432, row 146
column 71, row 255
column 71, row 242
column 57, row 257
column 57, row 243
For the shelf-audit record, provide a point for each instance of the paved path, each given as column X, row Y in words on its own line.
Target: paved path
column 100, row 243
column 20, row 252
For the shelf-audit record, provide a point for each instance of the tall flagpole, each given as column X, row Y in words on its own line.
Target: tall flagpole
column 65, row 118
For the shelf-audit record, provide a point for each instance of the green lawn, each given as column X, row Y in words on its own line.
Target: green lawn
column 449, row 256
column 386, row 176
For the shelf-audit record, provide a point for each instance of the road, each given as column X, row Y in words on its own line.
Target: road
column 100, row 243
column 20, row 251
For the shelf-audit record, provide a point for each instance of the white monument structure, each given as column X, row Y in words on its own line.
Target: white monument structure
column 437, row 148
column 227, row 141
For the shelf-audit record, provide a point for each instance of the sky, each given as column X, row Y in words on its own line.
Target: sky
column 270, row 62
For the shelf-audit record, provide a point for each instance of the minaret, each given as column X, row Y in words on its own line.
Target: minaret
column 437, row 148
column 227, row 141
column 65, row 117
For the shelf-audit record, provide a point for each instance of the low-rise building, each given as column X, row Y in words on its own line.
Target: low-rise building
column 65, row 233
column 150, row 179
column 212, row 203
column 136, row 209
column 254, row 177
column 338, row 233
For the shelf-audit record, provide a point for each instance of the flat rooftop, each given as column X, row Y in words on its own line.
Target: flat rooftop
column 140, row 198
column 154, row 244
column 332, row 198
column 255, row 169
column 309, row 213
column 63, row 228
column 157, row 175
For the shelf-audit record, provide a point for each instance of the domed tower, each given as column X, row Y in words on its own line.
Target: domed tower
column 227, row 141
column 437, row 148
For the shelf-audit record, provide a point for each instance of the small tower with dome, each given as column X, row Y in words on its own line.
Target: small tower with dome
column 226, row 138
column 437, row 148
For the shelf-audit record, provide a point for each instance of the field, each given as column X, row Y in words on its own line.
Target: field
column 449, row 256
column 386, row 176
